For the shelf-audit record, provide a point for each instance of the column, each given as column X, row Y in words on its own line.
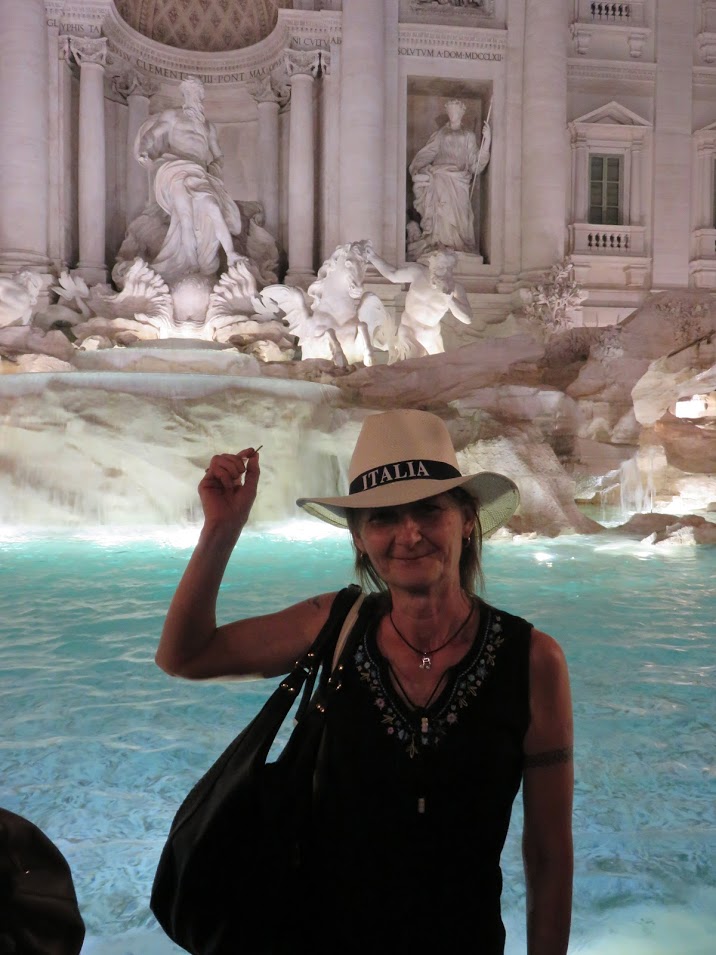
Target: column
column 705, row 186
column 544, row 142
column 394, row 184
column 91, row 56
column 60, row 157
column 635, row 187
column 267, row 100
column 362, row 173
column 581, row 179
column 137, row 89
column 330, row 160
column 302, row 68
column 24, row 148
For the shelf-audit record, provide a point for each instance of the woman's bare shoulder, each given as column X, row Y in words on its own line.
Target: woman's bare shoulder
column 546, row 655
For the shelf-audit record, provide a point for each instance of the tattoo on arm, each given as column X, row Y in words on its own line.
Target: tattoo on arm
column 551, row 757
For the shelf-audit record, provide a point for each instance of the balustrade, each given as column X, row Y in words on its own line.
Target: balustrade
column 617, row 12
column 588, row 239
column 611, row 14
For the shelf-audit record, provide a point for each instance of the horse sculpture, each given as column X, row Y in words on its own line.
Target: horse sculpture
column 335, row 318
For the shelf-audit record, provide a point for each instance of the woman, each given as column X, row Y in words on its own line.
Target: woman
column 446, row 705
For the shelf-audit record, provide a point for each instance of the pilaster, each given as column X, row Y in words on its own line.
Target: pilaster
column 24, row 145
column 544, row 125
column 268, row 101
column 673, row 107
column 363, row 74
column 91, row 56
column 302, row 68
column 137, row 89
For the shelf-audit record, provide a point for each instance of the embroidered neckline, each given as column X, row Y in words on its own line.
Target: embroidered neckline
column 419, row 727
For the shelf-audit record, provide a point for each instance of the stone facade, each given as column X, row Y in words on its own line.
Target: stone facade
column 603, row 121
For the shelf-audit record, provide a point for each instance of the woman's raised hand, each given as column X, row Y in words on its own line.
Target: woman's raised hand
column 228, row 489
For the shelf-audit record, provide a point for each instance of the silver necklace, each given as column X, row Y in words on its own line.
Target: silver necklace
column 426, row 656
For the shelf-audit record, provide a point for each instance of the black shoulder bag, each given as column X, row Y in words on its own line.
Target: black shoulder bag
column 225, row 874
column 39, row 914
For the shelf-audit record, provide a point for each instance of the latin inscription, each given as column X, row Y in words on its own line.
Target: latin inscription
column 217, row 79
column 76, row 29
column 449, row 54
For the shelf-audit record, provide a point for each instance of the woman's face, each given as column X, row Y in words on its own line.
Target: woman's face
column 417, row 546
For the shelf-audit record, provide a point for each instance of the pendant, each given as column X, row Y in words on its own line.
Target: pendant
column 426, row 663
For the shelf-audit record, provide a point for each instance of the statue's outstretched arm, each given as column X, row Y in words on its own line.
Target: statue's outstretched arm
column 217, row 155
column 151, row 139
column 460, row 306
column 406, row 274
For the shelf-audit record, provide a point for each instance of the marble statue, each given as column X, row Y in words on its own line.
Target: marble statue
column 181, row 148
column 443, row 174
column 145, row 310
column 432, row 293
column 335, row 319
column 18, row 297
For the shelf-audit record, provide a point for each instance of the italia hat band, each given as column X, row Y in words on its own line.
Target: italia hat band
column 405, row 456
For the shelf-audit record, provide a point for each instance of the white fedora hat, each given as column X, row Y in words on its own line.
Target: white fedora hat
column 405, row 456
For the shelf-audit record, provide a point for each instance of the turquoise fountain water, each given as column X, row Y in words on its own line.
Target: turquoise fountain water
column 99, row 746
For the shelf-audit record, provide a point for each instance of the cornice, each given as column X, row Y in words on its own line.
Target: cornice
column 322, row 25
column 705, row 75
column 294, row 30
column 419, row 36
column 77, row 18
column 78, row 10
column 613, row 70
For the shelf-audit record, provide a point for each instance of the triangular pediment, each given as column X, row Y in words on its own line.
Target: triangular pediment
column 612, row 114
column 707, row 129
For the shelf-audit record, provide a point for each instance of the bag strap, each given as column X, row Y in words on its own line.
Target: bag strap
column 348, row 625
column 311, row 661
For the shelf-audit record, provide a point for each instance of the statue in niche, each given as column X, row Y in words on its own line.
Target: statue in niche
column 181, row 147
column 335, row 319
column 433, row 292
column 444, row 172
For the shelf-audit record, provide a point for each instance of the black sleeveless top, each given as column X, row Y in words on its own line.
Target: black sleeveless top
column 417, row 802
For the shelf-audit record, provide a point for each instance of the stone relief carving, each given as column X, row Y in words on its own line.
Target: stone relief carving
column 86, row 50
column 303, row 61
column 485, row 8
column 552, row 303
column 133, row 83
column 210, row 26
column 689, row 319
column 19, row 294
column 443, row 173
column 146, row 309
column 432, row 293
